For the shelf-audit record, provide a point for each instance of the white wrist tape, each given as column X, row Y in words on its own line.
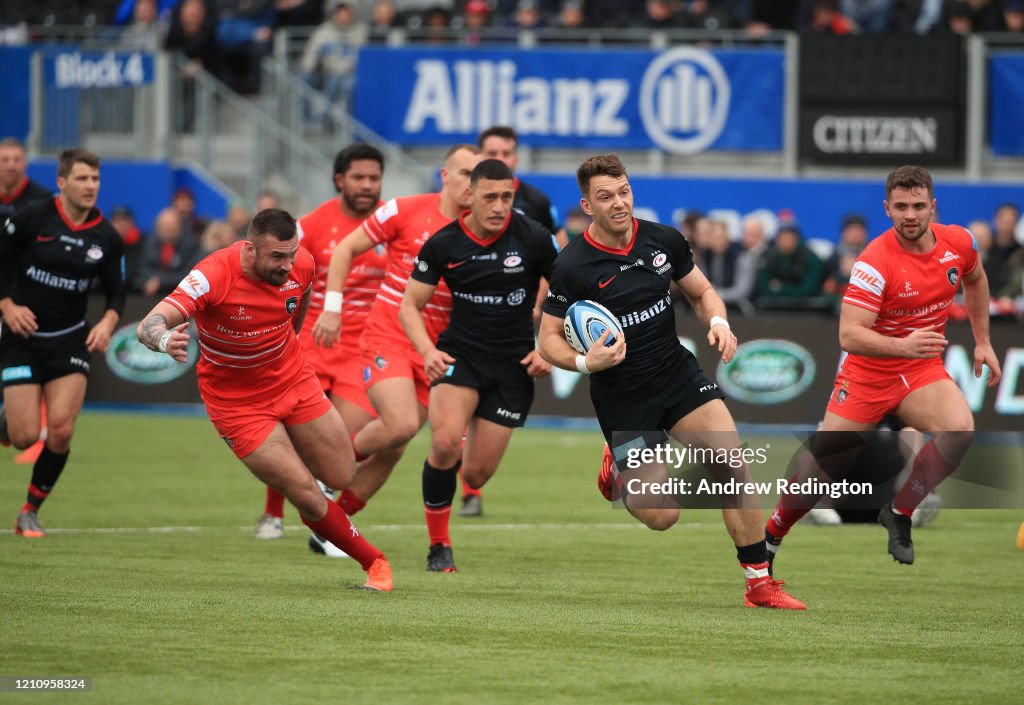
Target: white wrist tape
column 332, row 301
column 581, row 364
column 718, row 321
column 161, row 344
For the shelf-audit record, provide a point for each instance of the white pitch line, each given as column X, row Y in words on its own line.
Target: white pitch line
column 547, row 526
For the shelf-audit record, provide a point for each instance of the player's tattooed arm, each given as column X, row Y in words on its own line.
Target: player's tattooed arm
column 164, row 330
column 300, row 313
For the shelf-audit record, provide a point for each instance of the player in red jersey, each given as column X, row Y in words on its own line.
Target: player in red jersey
column 891, row 328
column 358, row 173
column 396, row 381
column 261, row 394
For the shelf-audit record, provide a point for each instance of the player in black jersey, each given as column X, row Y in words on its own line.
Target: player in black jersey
column 49, row 254
column 16, row 189
column 481, row 370
column 647, row 384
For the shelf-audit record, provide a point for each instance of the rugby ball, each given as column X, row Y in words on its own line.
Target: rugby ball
column 585, row 321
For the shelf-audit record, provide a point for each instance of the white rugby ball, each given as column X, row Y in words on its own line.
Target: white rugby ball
column 585, row 321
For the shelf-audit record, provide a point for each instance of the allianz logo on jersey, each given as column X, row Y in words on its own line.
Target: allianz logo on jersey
column 683, row 100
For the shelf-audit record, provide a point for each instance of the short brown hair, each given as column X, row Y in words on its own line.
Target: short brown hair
column 471, row 148
column 909, row 178
column 12, row 142
column 272, row 221
column 503, row 131
column 70, row 157
column 599, row 165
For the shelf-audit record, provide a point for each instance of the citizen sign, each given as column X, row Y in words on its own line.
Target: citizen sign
column 876, row 135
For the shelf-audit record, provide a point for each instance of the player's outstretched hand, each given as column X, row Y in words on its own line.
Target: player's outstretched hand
column 327, row 329
column 436, row 364
column 985, row 355
column 924, row 343
column 20, row 319
column 600, row 357
column 536, row 366
column 721, row 337
column 177, row 344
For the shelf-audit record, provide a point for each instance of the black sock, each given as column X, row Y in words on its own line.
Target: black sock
column 752, row 554
column 45, row 473
column 439, row 485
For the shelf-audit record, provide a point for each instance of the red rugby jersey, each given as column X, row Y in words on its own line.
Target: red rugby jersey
column 908, row 291
column 248, row 348
column 403, row 225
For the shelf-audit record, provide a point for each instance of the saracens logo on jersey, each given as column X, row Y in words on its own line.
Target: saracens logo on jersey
column 953, row 276
column 94, row 254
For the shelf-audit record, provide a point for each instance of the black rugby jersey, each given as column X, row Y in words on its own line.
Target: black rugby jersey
column 632, row 283
column 533, row 203
column 493, row 283
column 28, row 192
column 47, row 263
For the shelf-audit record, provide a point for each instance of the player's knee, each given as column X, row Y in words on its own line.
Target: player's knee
column 661, row 520
column 58, row 435
column 446, row 447
column 308, row 499
column 23, row 438
column 476, row 477
column 401, row 431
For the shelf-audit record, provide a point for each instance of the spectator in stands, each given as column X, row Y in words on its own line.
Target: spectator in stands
column 1004, row 245
column 728, row 267
column 123, row 220
column 437, row 26
column 239, row 218
column 659, row 14
column 168, row 254
column 986, row 15
column 1013, row 16
column 328, row 62
column 244, row 31
column 478, row 17
column 959, row 19
column 688, row 224
column 146, row 32
column 570, row 15
column 715, row 15
column 825, row 17
column 752, row 237
column 853, row 238
column 699, row 239
column 384, row 19
column 193, row 35
column 184, row 201
column 218, row 234
column 527, row 15
column 267, row 199
column 982, row 233
column 871, row 16
column 576, row 221
column 789, row 276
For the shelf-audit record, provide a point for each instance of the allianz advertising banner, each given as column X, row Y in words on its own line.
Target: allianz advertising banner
column 684, row 100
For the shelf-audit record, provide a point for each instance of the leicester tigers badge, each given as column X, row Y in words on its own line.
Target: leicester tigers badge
column 953, row 276
column 291, row 304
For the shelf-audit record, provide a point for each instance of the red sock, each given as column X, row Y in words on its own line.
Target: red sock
column 350, row 502
column 336, row 528
column 275, row 503
column 437, row 524
column 468, row 491
column 359, row 456
column 930, row 468
column 790, row 509
column 35, row 498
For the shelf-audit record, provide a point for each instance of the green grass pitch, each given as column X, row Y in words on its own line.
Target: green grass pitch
column 153, row 585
